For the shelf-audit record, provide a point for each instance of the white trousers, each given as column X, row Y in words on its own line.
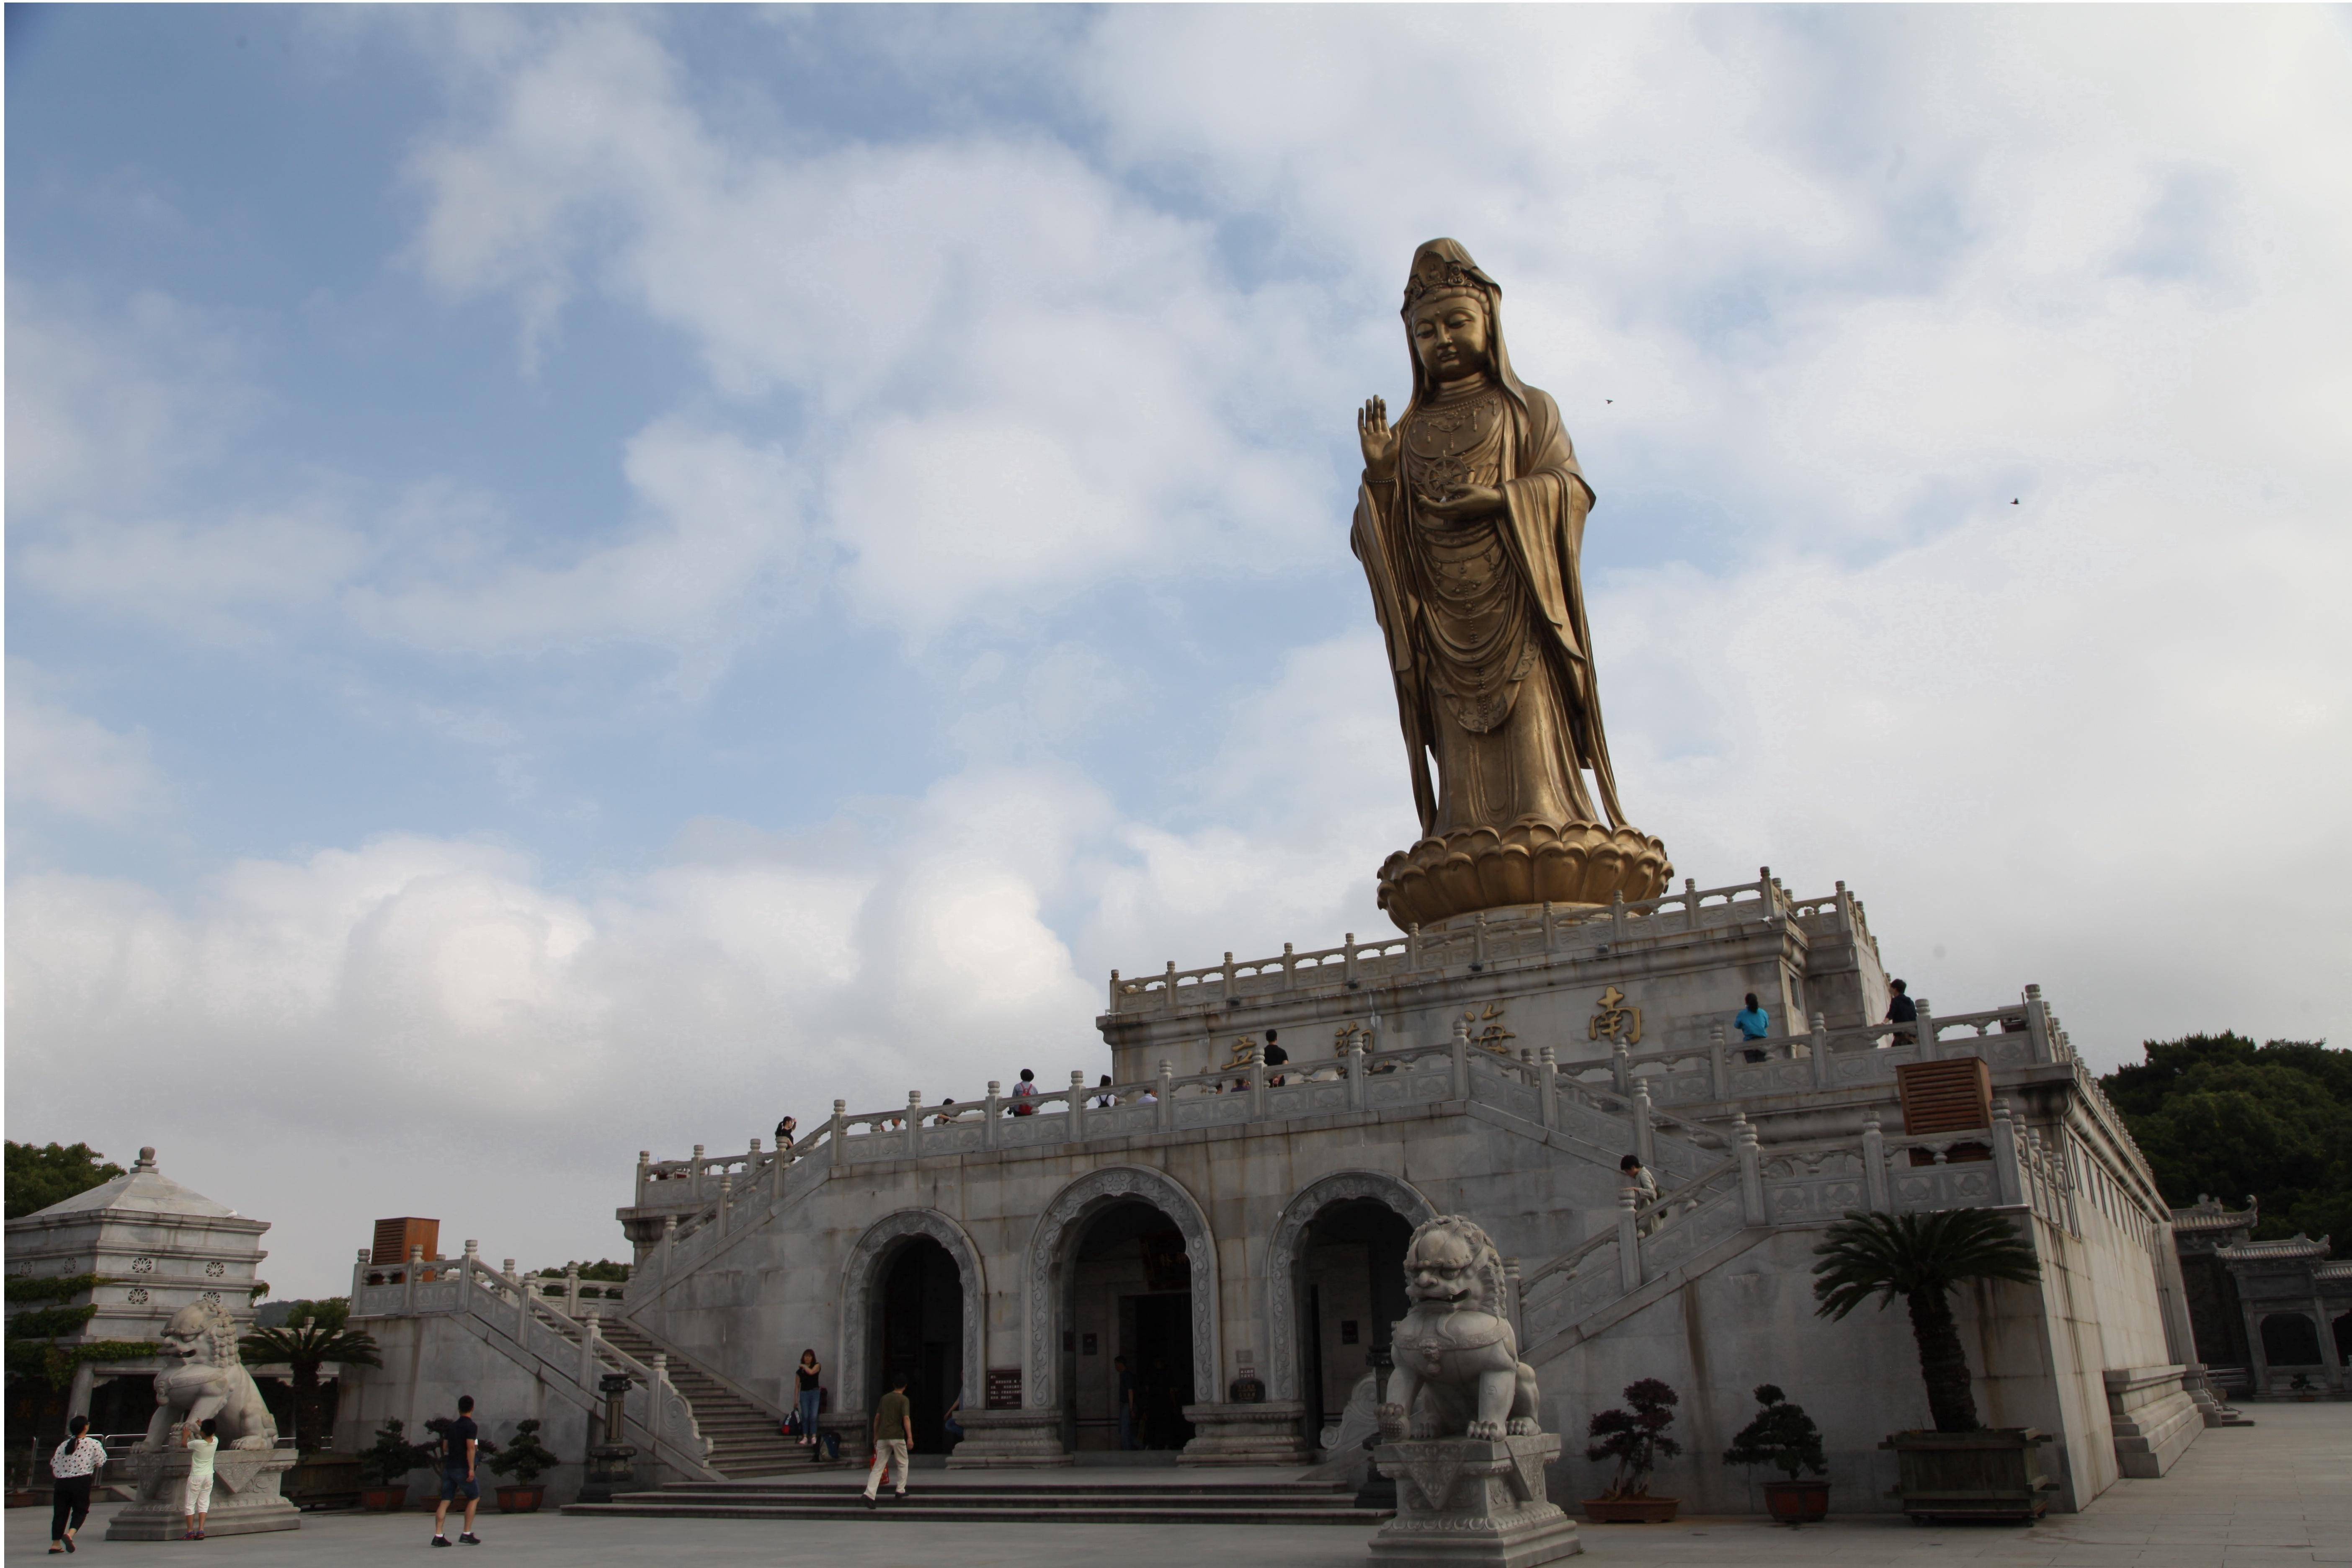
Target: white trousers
column 200, row 1494
column 887, row 1451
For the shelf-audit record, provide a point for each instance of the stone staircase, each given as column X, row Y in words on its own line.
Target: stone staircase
column 1001, row 1498
column 744, row 1437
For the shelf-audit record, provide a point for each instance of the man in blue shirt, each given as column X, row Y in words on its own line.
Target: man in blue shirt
column 1754, row 1023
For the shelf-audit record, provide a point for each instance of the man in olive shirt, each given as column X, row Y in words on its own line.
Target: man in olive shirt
column 895, row 1417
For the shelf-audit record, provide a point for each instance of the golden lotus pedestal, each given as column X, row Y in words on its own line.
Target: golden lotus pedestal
column 1530, row 862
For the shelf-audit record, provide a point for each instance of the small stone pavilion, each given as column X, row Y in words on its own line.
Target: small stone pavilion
column 148, row 1247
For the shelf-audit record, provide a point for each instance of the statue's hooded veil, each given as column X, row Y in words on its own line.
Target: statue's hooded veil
column 1443, row 266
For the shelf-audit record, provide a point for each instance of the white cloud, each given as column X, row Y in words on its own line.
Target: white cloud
column 66, row 763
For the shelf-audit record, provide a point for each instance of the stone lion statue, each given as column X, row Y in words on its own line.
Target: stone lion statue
column 210, row 1383
column 1458, row 1373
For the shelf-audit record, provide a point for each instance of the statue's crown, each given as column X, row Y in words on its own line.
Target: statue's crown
column 1443, row 267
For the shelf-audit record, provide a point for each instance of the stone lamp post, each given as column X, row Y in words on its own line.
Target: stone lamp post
column 611, row 1466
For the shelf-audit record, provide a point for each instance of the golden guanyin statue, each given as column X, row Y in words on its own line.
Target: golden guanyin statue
column 1469, row 522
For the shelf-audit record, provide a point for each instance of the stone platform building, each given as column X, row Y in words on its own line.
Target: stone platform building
column 1235, row 1231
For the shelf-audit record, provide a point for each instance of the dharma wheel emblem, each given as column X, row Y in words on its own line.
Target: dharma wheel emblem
column 1615, row 1021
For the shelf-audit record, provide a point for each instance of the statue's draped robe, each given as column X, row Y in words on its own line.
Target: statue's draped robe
column 1484, row 619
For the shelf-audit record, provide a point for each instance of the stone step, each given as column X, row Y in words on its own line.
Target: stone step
column 917, row 1507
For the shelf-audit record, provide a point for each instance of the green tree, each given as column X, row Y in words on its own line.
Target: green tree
column 2219, row 1114
column 40, row 1174
column 1920, row 1256
column 314, row 1333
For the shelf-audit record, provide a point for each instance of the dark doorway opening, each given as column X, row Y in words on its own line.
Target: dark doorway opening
column 1350, row 1291
column 921, row 1312
column 1129, row 1297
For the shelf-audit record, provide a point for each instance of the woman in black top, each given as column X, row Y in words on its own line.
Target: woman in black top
column 807, row 1372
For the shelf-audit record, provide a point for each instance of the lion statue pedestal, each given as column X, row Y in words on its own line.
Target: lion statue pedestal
column 1464, row 1446
column 209, row 1383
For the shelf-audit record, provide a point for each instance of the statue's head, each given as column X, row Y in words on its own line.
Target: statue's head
column 1449, row 313
column 1450, row 1263
column 202, row 1333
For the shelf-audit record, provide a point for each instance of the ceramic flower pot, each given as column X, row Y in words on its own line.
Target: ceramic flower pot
column 521, row 1499
column 1631, row 1510
column 384, row 1500
column 1796, row 1502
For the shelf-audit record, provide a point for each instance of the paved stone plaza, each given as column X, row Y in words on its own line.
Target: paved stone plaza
column 2273, row 1494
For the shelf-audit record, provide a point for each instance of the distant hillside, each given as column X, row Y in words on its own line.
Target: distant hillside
column 2219, row 1114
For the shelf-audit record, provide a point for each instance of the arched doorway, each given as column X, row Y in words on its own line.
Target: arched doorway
column 1350, row 1289
column 1129, row 1307
column 919, row 1331
column 913, row 1284
column 1102, row 1245
column 1336, row 1258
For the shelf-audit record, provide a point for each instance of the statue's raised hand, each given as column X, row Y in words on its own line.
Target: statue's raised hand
column 1379, row 442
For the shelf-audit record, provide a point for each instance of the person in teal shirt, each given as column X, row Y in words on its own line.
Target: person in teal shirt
column 1754, row 1023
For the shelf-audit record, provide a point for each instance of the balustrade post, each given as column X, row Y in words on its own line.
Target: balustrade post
column 995, row 1109
column 2037, row 1023
column 589, row 1334
column 1355, row 1075
column 1550, row 928
column 1690, row 900
column 1846, row 908
column 1413, row 947
column 2004, row 1153
column 1873, row 1166
column 1077, row 1106
column 657, row 1396
column 1751, row 1170
column 1289, row 968
column 838, row 1140
column 522, row 1286
column 572, row 1270
column 694, row 1186
column 725, row 1205
column 1478, row 941
column 1629, row 1239
column 1348, row 948
column 473, row 1259
column 645, row 1173
column 1257, row 1085
column 1461, row 1060
column 1167, row 990
column 1645, row 1136
column 409, row 1280
column 1821, row 1074
column 1547, row 1085
column 1620, row 1068
column 1231, row 978
column 1927, row 1026
column 1617, row 917
column 1511, row 1298
column 668, row 1241
column 915, row 1121
column 359, row 1276
column 1114, row 990
column 1718, row 1063
column 1167, row 1095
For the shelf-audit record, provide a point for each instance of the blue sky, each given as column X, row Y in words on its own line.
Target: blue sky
column 578, row 579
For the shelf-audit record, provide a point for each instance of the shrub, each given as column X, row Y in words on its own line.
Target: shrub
column 1782, row 1435
column 1635, row 1439
column 525, row 1458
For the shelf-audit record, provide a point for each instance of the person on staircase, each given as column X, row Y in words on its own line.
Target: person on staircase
column 1645, row 1189
column 895, row 1416
column 807, row 1374
column 1901, row 1009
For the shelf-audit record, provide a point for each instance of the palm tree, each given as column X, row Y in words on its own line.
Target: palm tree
column 1920, row 1256
column 314, row 1335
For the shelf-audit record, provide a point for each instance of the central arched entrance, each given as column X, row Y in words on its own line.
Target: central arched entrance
column 1121, row 1264
column 918, row 1331
column 1351, row 1284
column 1130, row 1311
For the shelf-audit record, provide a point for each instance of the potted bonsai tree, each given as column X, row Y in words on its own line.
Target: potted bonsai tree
column 1960, row 1469
column 526, row 1458
column 1635, row 1439
column 384, row 1467
column 1783, row 1437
